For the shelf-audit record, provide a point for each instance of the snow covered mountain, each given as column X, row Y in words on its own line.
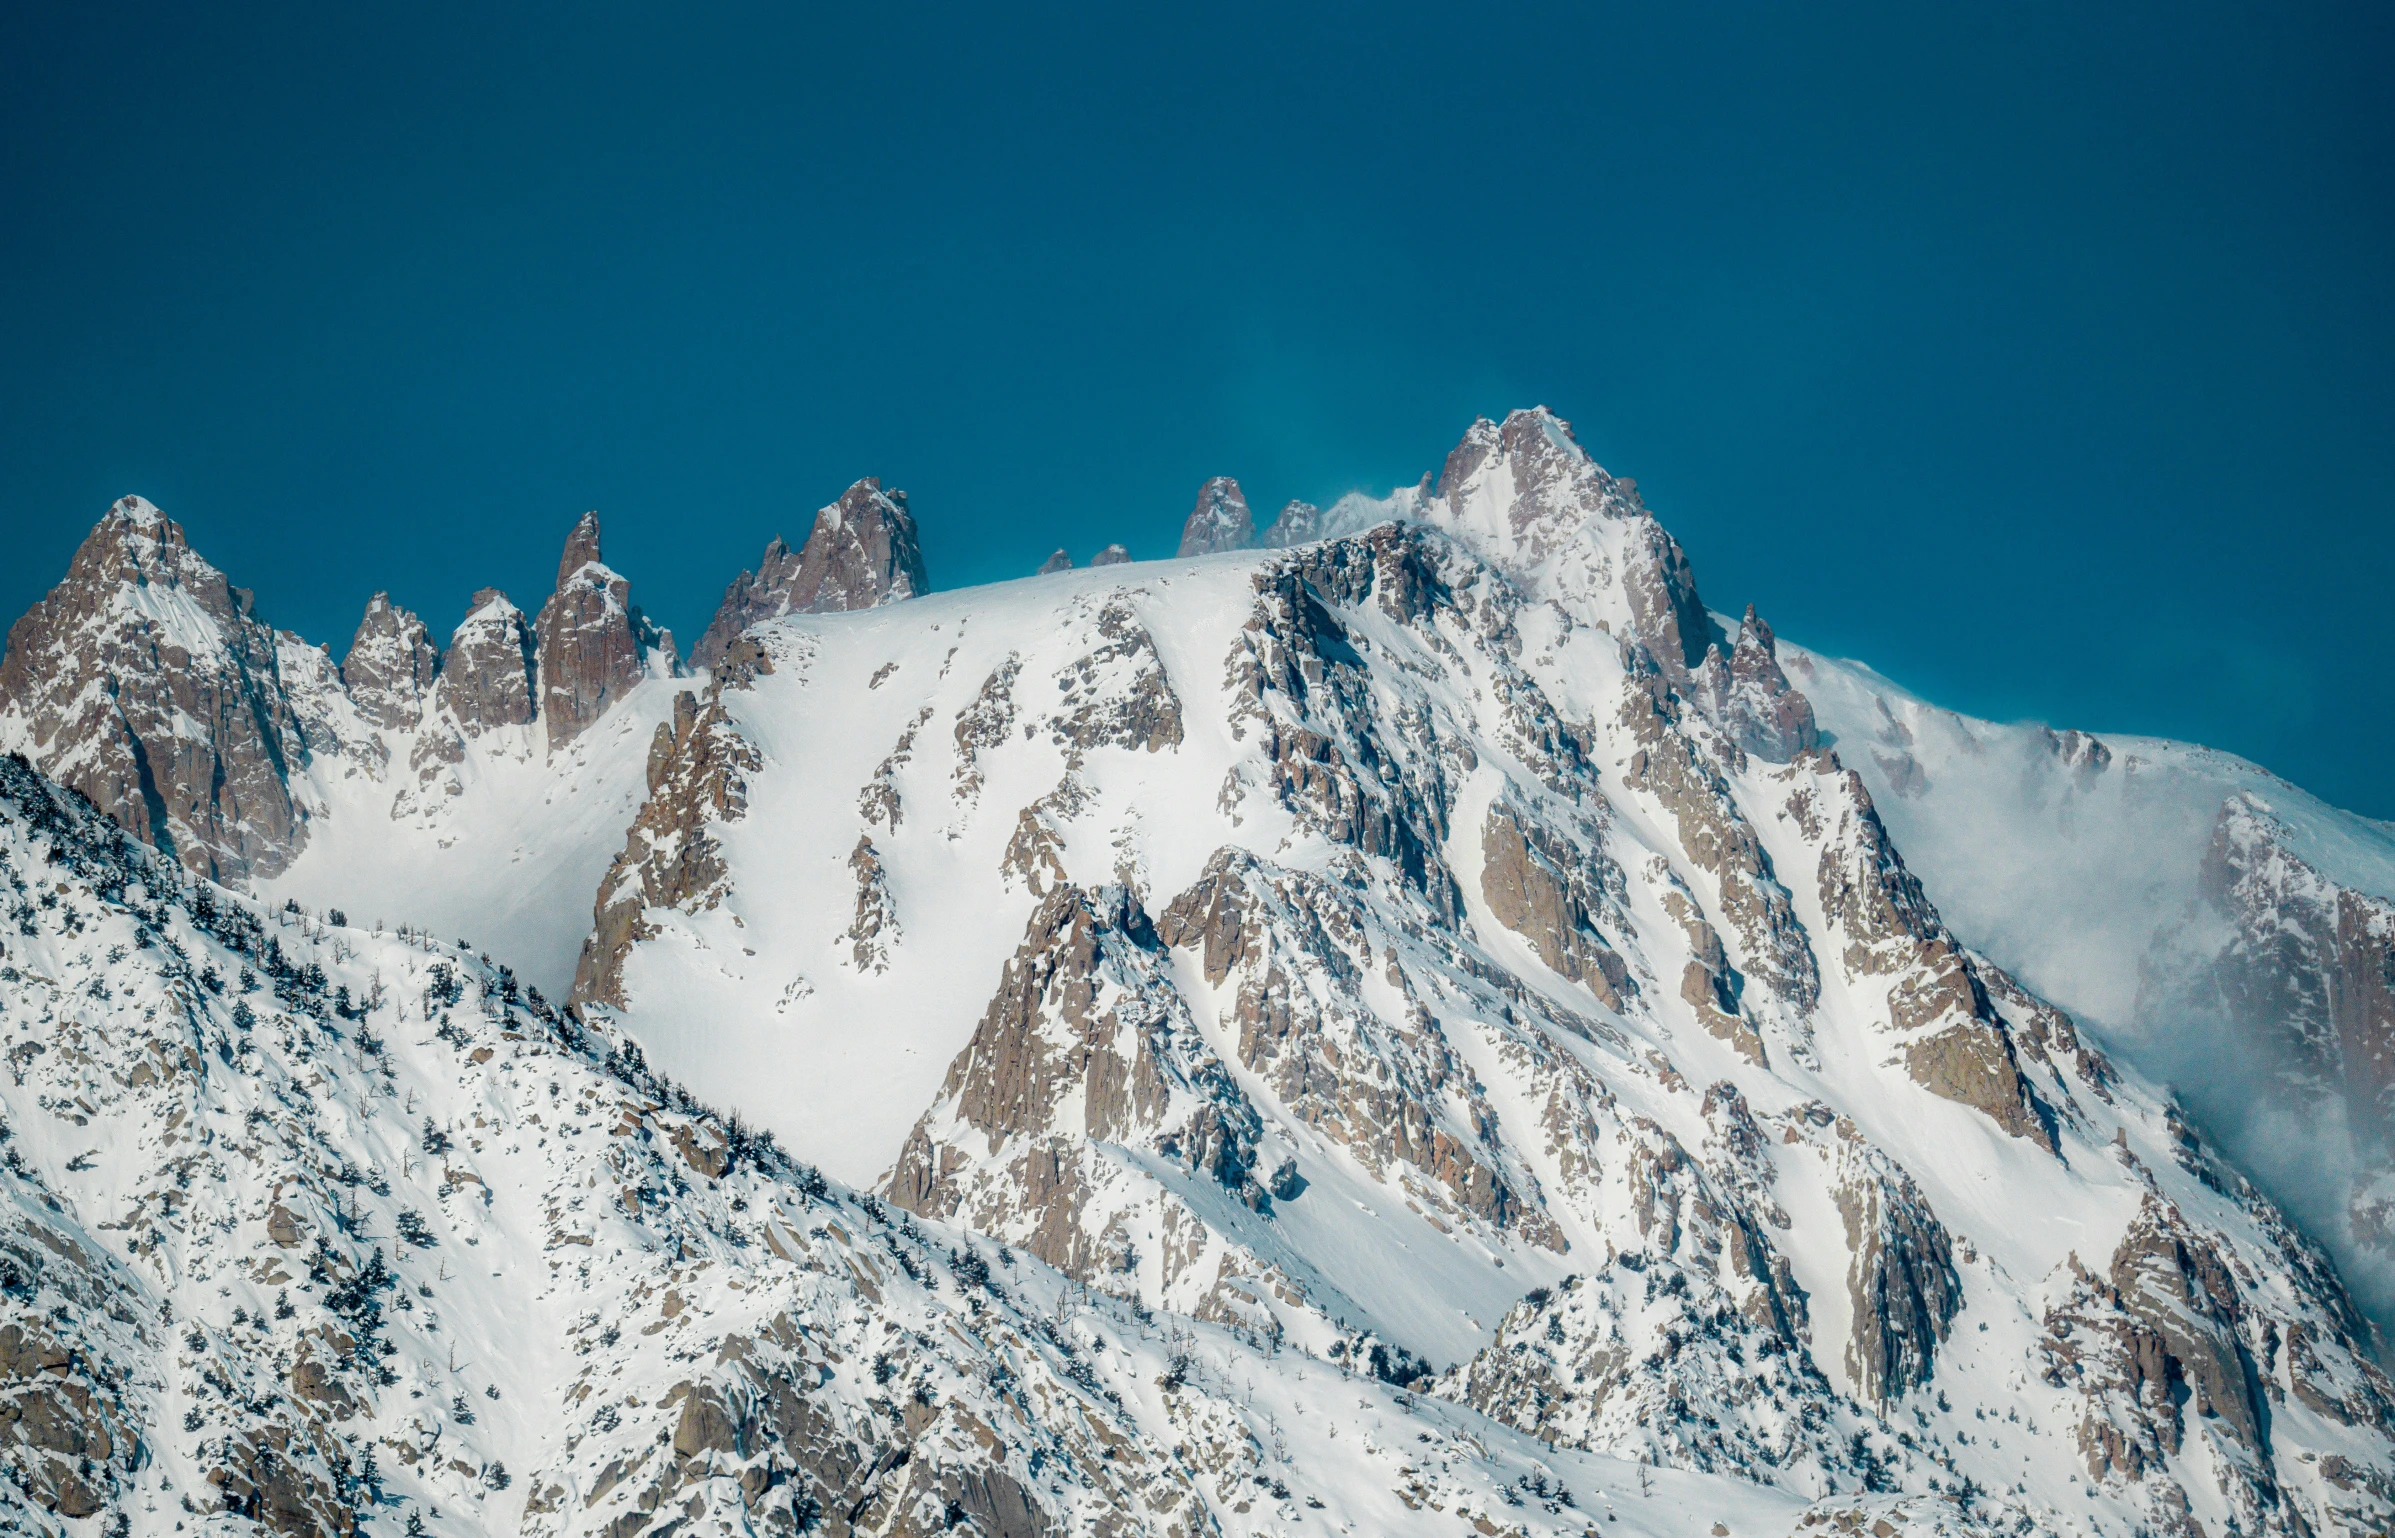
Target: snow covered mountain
column 313, row 1229
column 2231, row 934
column 1417, row 958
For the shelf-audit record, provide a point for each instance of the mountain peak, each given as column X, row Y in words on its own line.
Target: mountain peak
column 1220, row 520
column 581, row 547
column 109, row 674
column 1527, row 498
column 863, row 551
column 489, row 675
column 1298, row 523
column 594, row 645
column 391, row 664
column 136, row 510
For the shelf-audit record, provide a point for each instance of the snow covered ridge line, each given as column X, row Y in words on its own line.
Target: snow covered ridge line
column 146, row 681
column 1431, row 952
column 1379, row 943
column 309, row 1230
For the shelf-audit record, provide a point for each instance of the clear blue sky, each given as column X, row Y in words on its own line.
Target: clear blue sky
column 2044, row 358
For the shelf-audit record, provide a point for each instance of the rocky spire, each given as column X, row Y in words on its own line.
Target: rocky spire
column 1057, row 561
column 862, row 552
column 1112, row 555
column 1754, row 702
column 1299, row 523
column 1220, row 521
column 754, row 596
column 594, row 645
column 143, row 681
column 490, row 676
column 391, row 665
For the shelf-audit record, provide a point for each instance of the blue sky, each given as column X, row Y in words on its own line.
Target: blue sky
column 2045, row 360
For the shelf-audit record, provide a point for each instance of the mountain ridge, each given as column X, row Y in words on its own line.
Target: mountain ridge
column 1438, row 949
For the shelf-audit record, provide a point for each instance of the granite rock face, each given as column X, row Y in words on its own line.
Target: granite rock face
column 1084, row 1039
column 1752, row 699
column 144, row 681
column 862, row 552
column 1220, row 520
column 391, row 665
column 1058, row 560
column 490, row 676
column 2315, row 958
column 1112, row 555
column 697, row 778
column 752, row 598
column 594, row 645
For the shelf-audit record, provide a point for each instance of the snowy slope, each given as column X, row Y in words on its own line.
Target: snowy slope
column 506, row 862
column 317, row 1230
column 1439, row 967
column 2114, row 874
column 1385, row 947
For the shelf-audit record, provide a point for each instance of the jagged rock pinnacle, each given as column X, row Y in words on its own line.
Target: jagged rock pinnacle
column 594, row 645
column 863, row 551
column 391, row 665
column 1220, row 521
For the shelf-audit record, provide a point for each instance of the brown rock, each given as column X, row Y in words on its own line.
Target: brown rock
column 1754, row 702
column 1220, row 520
column 489, row 676
column 1901, row 1282
column 1550, row 490
column 391, row 665
column 861, row 553
column 594, row 645
column 143, row 681
column 1085, row 1040
column 698, row 771
column 1534, row 887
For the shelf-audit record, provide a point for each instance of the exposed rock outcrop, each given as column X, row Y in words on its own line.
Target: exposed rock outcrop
column 1952, row 1039
column 1220, row 521
column 1900, row 1283
column 862, row 552
column 698, row 771
column 1087, row 1041
column 144, row 681
column 1058, row 560
column 1752, row 699
column 1112, row 555
column 752, row 598
column 1527, row 498
column 391, row 665
column 2309, row 968
column 1289, row 953
column 1539, row 889
column 595, row 647
column 490, row 675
